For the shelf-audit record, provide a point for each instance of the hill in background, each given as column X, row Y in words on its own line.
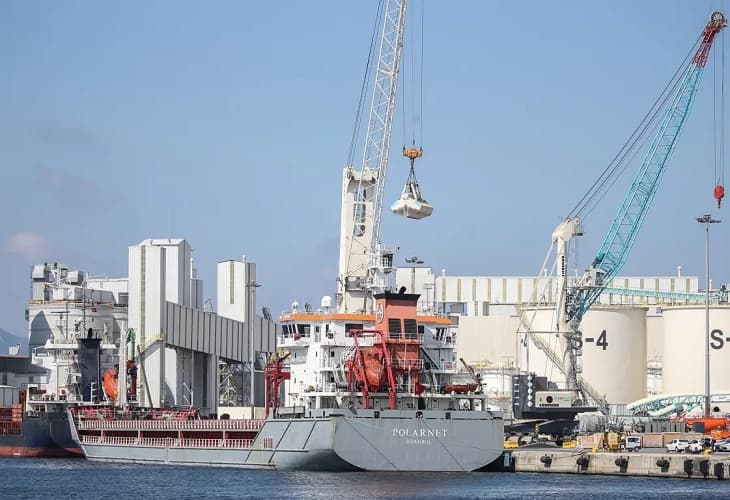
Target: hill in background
column 7, row 340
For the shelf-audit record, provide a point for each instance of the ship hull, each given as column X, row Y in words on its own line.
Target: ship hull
column 46, row 435
column 339, row 440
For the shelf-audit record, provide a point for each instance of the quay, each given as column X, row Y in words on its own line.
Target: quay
column 647, row 464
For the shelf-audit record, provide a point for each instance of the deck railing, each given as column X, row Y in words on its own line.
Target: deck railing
column 175, row 442
column 243, row 425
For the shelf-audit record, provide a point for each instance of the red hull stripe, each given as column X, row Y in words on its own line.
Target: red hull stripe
column 24, row 451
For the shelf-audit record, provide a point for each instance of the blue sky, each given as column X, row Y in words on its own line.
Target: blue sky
column 228, row 123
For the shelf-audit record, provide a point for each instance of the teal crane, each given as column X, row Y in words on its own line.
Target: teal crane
column 676, row 101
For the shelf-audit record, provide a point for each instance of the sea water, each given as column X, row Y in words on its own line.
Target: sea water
column 52, row 479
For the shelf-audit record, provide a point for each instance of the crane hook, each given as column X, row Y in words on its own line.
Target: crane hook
column 719, row 194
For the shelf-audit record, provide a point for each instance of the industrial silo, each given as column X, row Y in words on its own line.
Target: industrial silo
column 614, row 350
column 683, row 367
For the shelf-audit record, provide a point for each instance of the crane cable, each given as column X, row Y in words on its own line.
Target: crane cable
column 641, row 134
column 420, row 114
column 359, row 113
column 718, row 121
column 412, row 87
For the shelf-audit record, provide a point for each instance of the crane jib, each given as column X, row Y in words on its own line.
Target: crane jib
column 717, row 22
column 622, row 234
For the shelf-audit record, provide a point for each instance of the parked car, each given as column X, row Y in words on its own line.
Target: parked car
column 677, row 445
column 722, row 445
column 707, row 442
column 694, row 446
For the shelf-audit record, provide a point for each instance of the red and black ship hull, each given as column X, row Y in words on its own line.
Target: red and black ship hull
column 46, row 435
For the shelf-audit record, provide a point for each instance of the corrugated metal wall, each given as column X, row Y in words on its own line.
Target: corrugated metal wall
column 207, row 332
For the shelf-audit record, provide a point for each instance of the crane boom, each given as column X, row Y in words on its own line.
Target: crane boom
column 576, row 299
column 625, row 227
column 363, row 264
column 380, row 122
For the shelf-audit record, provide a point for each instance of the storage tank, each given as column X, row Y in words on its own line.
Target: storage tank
column 614, row 351
column 614, row 362
column 683, row 367
column 532, row 358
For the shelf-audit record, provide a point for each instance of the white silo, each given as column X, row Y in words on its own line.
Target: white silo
column 541, row 321
column 683, row 367
column 614, row 351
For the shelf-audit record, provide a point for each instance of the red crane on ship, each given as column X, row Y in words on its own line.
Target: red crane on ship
column 276, row 373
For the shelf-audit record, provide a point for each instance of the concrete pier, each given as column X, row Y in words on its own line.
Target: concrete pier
column 621, row 464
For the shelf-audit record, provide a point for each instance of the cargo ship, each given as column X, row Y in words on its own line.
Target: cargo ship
column 31, row 424
column 59, row 374
column 371, row 399
column 35, row 433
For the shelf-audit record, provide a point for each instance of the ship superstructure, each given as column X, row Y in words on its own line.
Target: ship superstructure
column 65, row 309
column 322, row 346
column 74, row 325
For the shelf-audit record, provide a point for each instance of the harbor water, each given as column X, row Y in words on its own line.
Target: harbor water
column 74, row 478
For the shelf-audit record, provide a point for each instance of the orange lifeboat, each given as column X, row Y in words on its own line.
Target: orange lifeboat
column 374, row 371
column 110, row 383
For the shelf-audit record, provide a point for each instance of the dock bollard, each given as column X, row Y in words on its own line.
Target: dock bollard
column 689, row 467
column 583, row 462
column 719, row 470
column 547, row 460
column 622, row 463
column 704, row 467
column 663, row 464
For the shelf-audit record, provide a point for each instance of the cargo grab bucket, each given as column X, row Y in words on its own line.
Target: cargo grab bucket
column 411, row 203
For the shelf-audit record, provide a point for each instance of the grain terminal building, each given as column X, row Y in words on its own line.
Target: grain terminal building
column 643, row 337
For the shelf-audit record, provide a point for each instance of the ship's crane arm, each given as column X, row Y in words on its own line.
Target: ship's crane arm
column 363, row 262
column 380, row 122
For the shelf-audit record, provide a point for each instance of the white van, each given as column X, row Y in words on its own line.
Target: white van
column 632, row 443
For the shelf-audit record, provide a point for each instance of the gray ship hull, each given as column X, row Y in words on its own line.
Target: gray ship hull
column 337, row 440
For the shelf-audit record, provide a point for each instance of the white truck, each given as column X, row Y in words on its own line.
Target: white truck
column 632, row 443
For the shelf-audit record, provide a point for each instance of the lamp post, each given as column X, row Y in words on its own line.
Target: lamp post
column 707, row 220
column 413, row 261
column 250, row 287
